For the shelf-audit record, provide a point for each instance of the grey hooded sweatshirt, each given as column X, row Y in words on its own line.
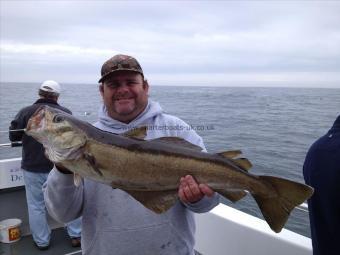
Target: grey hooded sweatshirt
column 112, row 221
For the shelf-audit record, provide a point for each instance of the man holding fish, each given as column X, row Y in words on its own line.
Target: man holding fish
column 152, row 166
column 114, row 222
column 140, row 188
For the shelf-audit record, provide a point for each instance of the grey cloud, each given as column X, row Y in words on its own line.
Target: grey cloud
column 171, row 37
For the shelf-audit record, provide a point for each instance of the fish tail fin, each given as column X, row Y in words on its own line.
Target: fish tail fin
column 277, row 208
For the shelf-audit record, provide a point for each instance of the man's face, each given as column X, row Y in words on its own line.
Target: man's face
column 125, row 95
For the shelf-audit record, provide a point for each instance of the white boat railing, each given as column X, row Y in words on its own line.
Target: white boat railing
column 10, row 173
column 302, row 207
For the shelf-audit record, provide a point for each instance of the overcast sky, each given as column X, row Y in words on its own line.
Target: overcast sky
column 222, row 43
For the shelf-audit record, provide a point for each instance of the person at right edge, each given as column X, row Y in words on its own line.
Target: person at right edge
column 321, row 170
column 113, row 221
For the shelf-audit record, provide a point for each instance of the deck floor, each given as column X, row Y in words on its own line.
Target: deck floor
column 60, row 245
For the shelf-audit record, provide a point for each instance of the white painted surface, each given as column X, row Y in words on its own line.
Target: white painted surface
column 10, row 173
column 229, row 231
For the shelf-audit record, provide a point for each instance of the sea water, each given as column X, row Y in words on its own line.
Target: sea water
column 274, row 127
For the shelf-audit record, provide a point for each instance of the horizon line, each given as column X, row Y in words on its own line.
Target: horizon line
column 333, row 86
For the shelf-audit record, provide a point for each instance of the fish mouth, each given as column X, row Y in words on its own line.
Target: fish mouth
column 36, row 124
column 58, row 137
column 36, row 119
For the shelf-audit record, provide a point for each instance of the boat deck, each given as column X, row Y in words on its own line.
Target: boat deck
column 60, row 245
column 13, row 205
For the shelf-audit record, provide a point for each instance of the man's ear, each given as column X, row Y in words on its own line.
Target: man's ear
column 101, row 89
column 146, row 85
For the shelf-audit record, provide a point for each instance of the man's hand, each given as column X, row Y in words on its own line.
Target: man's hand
column 190, row 191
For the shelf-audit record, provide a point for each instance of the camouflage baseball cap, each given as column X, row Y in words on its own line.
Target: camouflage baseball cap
column 120, row 63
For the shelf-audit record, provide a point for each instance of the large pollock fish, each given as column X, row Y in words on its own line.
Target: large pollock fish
column 150, row 170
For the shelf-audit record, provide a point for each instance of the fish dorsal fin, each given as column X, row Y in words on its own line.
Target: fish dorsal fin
column 178, row 141
column 139, row 133
column 240, row 162
column 243, row 163
column 156, row 201
column 230, row 154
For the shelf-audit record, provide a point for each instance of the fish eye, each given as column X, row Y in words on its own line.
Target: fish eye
column 58, row 118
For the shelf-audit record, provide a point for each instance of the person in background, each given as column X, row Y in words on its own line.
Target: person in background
column 113, row 221
column 321, row 170
column 36, row 167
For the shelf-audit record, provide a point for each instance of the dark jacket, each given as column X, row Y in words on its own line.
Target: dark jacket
column 321, row 170
column 33, row 157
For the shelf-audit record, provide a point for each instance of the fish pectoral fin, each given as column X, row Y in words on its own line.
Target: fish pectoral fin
column 156, row 201
column 77, row 179
column 230, row 154
column 92, row 161
column 178, row 141
column 233, row 196
column 139, row 133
